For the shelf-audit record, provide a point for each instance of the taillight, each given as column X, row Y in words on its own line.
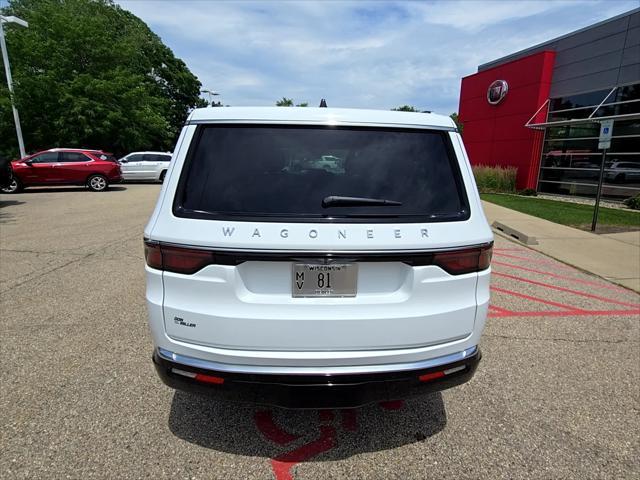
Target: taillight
column 464, row 261
column 153, row 255
column 189, row 260
column 176, row 259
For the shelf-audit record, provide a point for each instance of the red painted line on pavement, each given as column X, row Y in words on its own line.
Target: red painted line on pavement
column 568, row 290
column 283, row 464
column 566, row 313
column 349, row 420
column 537, row 260
column 268, row 428
column 500, row 309
column 536, row 299
column 508, row 255
column 563, row 277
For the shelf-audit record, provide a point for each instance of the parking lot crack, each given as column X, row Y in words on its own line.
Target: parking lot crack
column 79, row 258
column 47, row 272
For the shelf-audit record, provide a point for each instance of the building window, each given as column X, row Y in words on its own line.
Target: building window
column 571, row 161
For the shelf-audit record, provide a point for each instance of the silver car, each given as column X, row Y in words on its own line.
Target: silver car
column 145, row 166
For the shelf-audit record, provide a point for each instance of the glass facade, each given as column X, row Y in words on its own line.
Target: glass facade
column 571, row 161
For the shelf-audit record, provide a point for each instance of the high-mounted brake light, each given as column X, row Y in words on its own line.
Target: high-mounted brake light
column 176, row 259
column 464, row 261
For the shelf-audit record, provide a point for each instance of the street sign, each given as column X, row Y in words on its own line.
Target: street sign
column 606, row 127
column 604, row 143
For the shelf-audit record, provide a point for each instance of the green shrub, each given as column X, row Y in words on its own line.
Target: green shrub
column 495, row 179
column 528, row 192
column 633, row 202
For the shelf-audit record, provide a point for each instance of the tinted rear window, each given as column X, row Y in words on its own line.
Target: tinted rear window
column 284, row 173
column 107, row 157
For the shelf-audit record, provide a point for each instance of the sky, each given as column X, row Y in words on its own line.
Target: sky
column 363, row 54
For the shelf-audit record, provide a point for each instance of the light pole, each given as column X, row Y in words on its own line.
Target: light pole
column 7, row 71
column 211, row 94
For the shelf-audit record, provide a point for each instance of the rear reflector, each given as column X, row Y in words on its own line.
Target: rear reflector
column 427, row 377
column 200, row 377
column 209, row 379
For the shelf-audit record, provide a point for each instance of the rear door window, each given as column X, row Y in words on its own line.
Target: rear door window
column 285, row 172
column 73, row 157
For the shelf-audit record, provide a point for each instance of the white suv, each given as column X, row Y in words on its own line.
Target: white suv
column 145, row 166
column 273, row 279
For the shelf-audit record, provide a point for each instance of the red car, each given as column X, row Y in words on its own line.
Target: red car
column 65, row 166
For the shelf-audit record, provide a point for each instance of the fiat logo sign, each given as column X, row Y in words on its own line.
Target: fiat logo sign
column 497, row 91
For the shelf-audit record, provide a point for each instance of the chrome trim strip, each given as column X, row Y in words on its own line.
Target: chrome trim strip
column 319, row 252
column 346, row 370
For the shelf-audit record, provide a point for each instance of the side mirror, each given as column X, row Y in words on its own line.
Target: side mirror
column 29, row 162
column 124, row 160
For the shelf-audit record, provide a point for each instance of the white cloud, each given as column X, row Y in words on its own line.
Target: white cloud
column 358, row 54
column 473, row 15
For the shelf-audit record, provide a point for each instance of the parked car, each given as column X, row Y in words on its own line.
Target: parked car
column 5, row 172
column 308, row 288
column 145, row 166
column 622, row 172
column 65, row 166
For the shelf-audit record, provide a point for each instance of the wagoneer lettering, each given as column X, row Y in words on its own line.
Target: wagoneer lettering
column 309, row 261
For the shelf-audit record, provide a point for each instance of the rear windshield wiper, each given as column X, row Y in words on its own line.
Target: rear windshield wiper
column 338, row 201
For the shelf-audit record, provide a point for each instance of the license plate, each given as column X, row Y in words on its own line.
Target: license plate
column 311, row 280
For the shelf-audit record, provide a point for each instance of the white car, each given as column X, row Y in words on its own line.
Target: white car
column 621, row 172
column 145, row 166
column 276, row 283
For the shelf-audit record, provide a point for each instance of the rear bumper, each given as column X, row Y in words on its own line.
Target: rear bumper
column 316, row 390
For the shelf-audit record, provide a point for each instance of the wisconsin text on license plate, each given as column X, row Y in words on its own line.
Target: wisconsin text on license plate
column 317, row 280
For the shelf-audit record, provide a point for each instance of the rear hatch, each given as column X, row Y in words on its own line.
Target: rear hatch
column 316, row 238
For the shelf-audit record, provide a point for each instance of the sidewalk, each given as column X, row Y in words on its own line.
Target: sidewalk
column 615, row 257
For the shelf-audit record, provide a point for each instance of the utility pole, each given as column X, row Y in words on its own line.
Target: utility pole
column 7, row 71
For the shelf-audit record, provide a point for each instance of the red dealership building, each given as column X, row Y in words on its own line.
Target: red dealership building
column 538, row 110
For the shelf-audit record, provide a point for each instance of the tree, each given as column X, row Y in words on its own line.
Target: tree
column 202, row 103
column 406, row 108
column 88, row 73
column 454, row 117
column 285, row 102
column 288, row 102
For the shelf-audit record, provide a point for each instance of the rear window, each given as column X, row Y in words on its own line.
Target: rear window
column 283, row 173
column 107, row 157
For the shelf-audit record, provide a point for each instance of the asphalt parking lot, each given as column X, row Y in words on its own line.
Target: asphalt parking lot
column 557, row 394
